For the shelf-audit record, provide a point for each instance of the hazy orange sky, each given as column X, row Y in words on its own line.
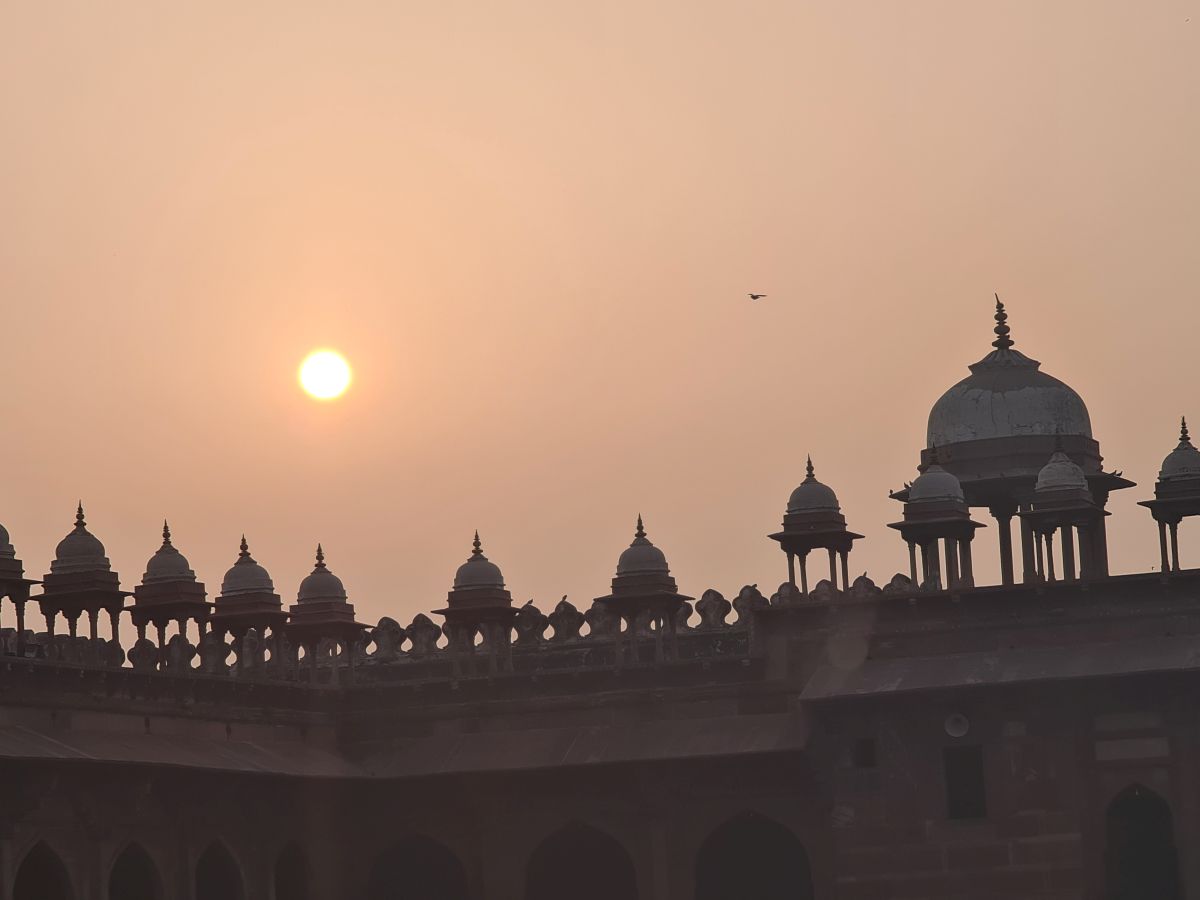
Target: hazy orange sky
column 531, row 228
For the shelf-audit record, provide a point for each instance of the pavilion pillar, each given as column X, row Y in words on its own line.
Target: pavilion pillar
column 951, row 562
column 912, row 563
column 968, row 573
column 1068, row 552
column 1174, row 546
column 833, row 568
column 1162, row 546
column 791, row 558
column 1004, row 531
column 1100, row 540
column 845, row 555
column 1050, row 556
column 1029, row 572
column 804, row 573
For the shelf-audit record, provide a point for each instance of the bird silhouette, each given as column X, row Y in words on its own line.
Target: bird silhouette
column 756, row 296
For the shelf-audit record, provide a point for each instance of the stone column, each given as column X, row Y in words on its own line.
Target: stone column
column 951, row 562
column 1003, row 519
column 1162, row 546
column 1068, row 552
column 968, row 572
column 1174, row 546
column 912, row 563
column 791, row 557
column 1028, row 564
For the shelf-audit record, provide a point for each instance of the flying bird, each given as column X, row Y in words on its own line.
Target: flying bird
column 756, row 296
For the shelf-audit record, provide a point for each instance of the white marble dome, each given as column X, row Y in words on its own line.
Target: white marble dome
column 167, row 564
column 321, row 584
column 1006, row 395
column 79, row 551
column 641, row 557
column 1059, row 473
column 1183, row 461
column 246, row 576
column 935, row 483
column 812, row 496
column 478, row 571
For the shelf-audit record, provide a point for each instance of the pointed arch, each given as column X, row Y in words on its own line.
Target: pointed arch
column 291, row 873
column 417, row 868
column 218, row 876
column 134, row 876
column 753, row 857
column 1140, row 861
column 583, row 863
column 42, row 876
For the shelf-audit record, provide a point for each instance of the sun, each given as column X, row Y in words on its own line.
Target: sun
column 325, row 374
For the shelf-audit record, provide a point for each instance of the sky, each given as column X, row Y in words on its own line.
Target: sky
column 531, row 228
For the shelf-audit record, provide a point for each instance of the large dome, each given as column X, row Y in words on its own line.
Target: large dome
column 1006, row 395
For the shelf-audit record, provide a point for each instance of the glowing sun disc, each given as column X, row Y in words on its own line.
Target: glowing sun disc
column 325, row 374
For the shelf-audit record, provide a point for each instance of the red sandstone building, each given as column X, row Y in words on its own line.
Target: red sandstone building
column 930, row 738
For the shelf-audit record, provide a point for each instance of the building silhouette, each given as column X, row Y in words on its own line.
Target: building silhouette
column 927, row 737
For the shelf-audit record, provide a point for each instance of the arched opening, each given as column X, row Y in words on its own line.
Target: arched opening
column 751, row 857
column 134, row 876
column 582, row 863
column 218, row 876
column 1139, row 859
column 291, row 874
column 42, row 876
column 417, row 868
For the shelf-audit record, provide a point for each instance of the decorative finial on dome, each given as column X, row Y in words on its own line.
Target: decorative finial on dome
column 1002, row 341
column 320, row 557
column 166, row 534
column 809, row 468
column 79, row 522
column 1183, row 432
column 641, row 532
column 245, row 551
column 476, row 544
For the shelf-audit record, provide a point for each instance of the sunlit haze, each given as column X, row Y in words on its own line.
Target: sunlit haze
column 531, row 228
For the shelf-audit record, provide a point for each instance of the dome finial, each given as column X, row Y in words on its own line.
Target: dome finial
column 1002, row 341
column 245, row 550
column 166, row 533
column 641, row 532
column 320, row 557
column 809, row 468
column 477, row 551
column 1183, row 432
column 79, row 522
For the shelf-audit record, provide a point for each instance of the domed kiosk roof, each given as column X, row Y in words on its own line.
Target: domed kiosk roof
column 478, row 571
column 167, row 564
column 1006, row 395
column 79, row 551
column 935, row 483
column 321, row 584
column 641, row 556
column 1183, row 461
column 812, row 496
column 246, row 576
column 1059, row 473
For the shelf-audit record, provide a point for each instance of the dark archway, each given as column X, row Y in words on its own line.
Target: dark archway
column 1139, row 859
column 291, row 874
column 582, row 863
column 751, row 857
column 218, row 876
column 134, row 876
column 417, row 868
column 42, row 876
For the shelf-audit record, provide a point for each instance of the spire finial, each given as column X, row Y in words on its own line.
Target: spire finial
column 166, row 533
column 245, row 551
column 1002, row 341
column 477, row 551
column 1183, row 432
column 641, row 532
column 79, row 522
column 320, row 557
column 809, row 467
